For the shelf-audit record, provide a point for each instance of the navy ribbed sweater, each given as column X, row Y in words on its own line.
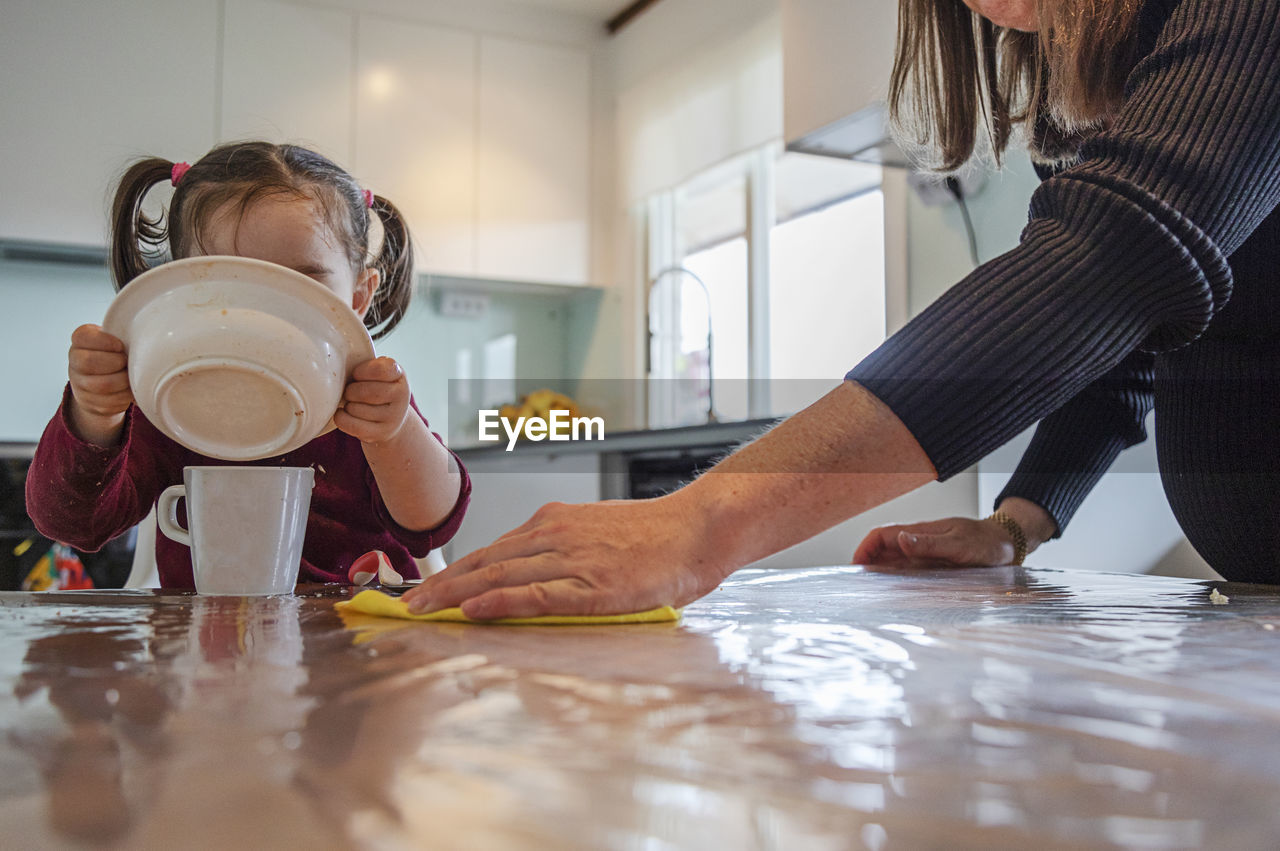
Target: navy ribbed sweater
column 1149, row 274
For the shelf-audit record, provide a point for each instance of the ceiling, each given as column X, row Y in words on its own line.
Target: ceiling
column 602, row 10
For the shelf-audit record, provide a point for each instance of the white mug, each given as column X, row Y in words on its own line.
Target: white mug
column 247, row 525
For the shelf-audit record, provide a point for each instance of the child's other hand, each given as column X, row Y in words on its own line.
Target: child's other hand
column 100, row 391
column 375, row 402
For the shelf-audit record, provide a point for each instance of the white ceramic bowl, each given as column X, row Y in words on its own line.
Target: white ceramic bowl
column 236, row 358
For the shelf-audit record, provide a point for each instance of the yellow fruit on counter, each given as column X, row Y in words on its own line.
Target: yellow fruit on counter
column 538, row 405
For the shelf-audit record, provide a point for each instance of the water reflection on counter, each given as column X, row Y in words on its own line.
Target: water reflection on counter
column 821, row 708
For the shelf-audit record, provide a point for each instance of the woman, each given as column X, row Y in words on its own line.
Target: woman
column 1158, row 126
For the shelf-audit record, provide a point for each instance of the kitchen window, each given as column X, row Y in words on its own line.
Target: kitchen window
column 778, row 259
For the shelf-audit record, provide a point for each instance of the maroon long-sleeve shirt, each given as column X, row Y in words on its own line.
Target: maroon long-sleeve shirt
column 85, row 495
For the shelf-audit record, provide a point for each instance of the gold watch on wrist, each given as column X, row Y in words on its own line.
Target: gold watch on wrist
column 1015, row 531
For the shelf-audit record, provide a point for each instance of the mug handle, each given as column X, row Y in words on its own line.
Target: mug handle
column 167, row 514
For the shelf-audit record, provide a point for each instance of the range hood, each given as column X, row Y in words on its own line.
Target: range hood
column 862, row 136
column 837, row 56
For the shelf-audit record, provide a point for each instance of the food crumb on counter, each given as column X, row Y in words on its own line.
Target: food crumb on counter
column 1218, row 599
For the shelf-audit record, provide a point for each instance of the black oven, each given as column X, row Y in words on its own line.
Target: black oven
column 660, row 471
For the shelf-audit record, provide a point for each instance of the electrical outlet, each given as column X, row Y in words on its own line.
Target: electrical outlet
column 459, row 304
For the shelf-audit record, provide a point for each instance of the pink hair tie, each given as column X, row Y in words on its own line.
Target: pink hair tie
column 177, row 171
column 368, row 198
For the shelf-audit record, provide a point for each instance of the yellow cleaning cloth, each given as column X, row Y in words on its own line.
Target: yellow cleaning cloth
column 372, row 602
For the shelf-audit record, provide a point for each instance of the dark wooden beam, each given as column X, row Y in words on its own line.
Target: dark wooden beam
column 624, row 17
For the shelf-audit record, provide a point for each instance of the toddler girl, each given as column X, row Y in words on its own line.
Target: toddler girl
column 383, row 480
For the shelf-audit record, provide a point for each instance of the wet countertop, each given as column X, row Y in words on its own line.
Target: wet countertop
column 820, row 708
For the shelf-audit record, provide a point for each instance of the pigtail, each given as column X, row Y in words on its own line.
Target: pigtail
column 136, row 240
column 395, row 265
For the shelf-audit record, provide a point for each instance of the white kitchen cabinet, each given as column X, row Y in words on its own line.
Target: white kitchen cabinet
column 415, row 133
column 483, row 141
column 533, row 162
column 508, row 487
column 88, row 87
column 837, row 58
column 286, row 76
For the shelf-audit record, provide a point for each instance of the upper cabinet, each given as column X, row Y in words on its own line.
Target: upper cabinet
column 837, row 58
column 286, row 76
column 416, row 134
column 482, row 142
column 88, row 87
column 533, row 162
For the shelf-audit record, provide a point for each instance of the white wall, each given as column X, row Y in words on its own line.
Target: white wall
column 43, row 304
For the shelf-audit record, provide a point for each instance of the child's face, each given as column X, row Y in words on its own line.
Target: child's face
column 291, row 232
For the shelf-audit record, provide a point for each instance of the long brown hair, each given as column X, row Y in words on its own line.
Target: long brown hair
column 243, row 172
column 954, row 71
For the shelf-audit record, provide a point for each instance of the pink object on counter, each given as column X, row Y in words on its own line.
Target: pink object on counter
column 367, row 567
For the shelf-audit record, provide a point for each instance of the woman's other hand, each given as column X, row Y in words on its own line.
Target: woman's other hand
column 956, row 541
column 375, row 403
column 100, row 393
column 602, row 558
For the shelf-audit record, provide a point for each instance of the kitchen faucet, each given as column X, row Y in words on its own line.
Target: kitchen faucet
column 706, row 292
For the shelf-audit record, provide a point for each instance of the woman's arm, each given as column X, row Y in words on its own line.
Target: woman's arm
column 1075, row 445
column 1071, row 450
column 1125, row 249
column 842, row 455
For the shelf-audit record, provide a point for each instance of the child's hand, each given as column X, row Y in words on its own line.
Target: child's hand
column 375, row 402
column 100, row 391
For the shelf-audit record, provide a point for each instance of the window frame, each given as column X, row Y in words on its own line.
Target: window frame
column 660, row 251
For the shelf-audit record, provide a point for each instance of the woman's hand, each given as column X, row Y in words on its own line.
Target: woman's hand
column 375, row 403
column 957, row 541
column 100, row 393
column 603, row 558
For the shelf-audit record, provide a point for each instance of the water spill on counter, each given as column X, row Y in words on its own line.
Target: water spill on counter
column 821, row 708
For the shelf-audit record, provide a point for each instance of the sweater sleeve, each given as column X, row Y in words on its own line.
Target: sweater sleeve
column 1125, row 250
column 84, row 495
column 1074, row 446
